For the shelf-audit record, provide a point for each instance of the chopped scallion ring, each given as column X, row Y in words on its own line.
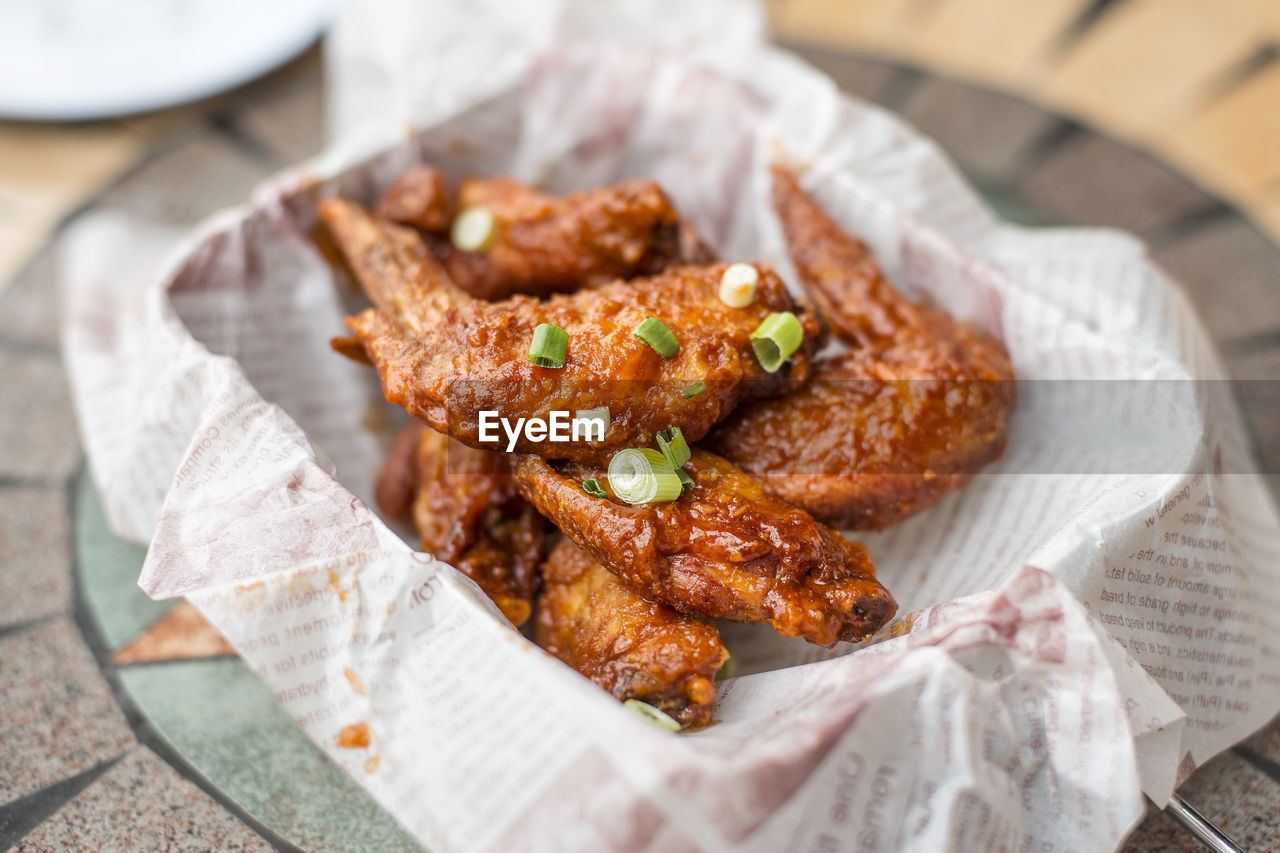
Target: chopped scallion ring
column 600, row 414
column 654, row 715
column 473, row 229
column 673, row 446
column 686, row 482
column 593, row 488
column 643, row 476
column 738, row 285
column 656, row 334
column 696, row 389
column 776, row 339
column 550, row 346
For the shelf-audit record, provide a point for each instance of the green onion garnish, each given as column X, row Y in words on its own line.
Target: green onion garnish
column 643, row 476
column 673, row 446
column 686, row 482
column 549, row 347
column 473, row 229
column 593, row 488
column 697, row 389
column 776, row 339
column 600, row 414
column 654, row 715
column 656, row 334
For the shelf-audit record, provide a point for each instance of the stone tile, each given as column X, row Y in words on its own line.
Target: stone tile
column 290, row 124
column 21, row 816
column 1258, row 390
column 109, row 568
column 184, row 184
column 1250, row 363
column 142, row 804
column 859, row 76
column 181, row 634
column 227, row 723
column 1266, row 741
column 1233, row 795
column 35, row 560
column 1091, row 180
column 60, row 717
column 29, row 305
column 38, row 439
column 1232, row 273
column 984, row 131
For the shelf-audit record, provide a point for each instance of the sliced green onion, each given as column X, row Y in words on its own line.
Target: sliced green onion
column 654, row 715
column 738, row 285
column 673, row 446
column 697, row 389
column 776, row 339
column 643, row 476
column 473, row 229
column 686, row 482
column 593, row 488
column 600, row 413
column 549, row 347
column 656, row 334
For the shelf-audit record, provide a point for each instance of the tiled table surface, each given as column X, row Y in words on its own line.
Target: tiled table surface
column 93, row 756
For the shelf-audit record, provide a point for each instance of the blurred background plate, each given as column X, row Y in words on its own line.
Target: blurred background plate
column 84, row 59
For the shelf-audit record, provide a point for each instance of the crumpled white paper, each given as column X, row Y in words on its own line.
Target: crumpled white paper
column 1078, row 638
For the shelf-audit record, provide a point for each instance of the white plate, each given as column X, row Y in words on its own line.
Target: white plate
column 84, row 59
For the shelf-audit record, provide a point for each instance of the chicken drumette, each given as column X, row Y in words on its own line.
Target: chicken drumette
column 918, row 404
column 541, row 243
column 446, row 357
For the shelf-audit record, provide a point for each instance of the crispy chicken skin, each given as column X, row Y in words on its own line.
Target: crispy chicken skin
column 633, row 648
column 469, row 512
column 546, row 244
column 725, row 549
column 916, row 407
column 445, row 356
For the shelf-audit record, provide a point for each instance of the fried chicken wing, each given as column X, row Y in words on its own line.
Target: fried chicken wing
column 633, row 648
column 420, row 197
column 543, row 243
column 916, row 407
column 725, row 549
column 470, row 514
column 446, row 357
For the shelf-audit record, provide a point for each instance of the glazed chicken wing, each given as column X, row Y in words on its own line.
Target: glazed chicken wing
column 545, row 244
column 420, row 197
column 725, row 549
column 469, row 512
column 916, row 406
column 446, row 357
column 633, row 648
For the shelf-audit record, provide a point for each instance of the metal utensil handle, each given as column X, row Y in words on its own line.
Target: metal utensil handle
column 1196, row 824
